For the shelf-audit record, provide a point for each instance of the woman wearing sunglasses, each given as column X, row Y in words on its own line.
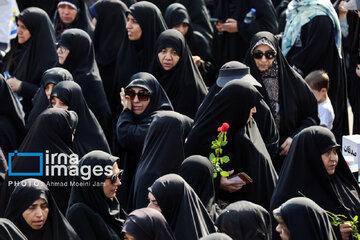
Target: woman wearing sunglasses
column 140, row 99
column 291, row 102
column 94, row 211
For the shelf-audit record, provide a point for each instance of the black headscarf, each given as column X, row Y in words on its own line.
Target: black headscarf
column 91, row 213
column 181, row 207
column 137, row 56
column 131, row 129
column 39, row 55
column 56, row 225
column 81, row 21
column 163, row 152
column 245, row 220
column 50, row 134
column 9, row 231
column 82, row 65
column 108, row 36
column 40, row 100
column 337, row 193
column 147, row 224
column 89, row 134
column 183, row 83
column 12, row 130
column 216, row 236
column 306, row 220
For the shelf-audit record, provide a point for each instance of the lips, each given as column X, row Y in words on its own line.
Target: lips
column 38, row 223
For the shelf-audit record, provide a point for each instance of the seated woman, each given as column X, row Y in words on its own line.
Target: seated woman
column 94, row 210
column 141, row 99
column 34, row 211
column 328, row 182
column 176, row 71
column 41, row 100
column 163, row 153
column 181, row 207
column 76, row 54
column 147, row 224
column 89, row 134
column 302, row 218
column 32, row 54
column 8, row 230
column 293, row 105
column 72, row 14
column 245, row 220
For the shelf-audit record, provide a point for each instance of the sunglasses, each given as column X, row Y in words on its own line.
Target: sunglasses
column 269, row 54
column 62, row 49
column 113, row 178
column 142, row 95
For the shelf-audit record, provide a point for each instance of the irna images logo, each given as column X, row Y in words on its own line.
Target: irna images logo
column 38, row 156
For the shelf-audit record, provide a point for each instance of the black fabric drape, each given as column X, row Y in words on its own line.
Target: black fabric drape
column 82, row 21
column 338, row 193
column 9, row 231
column 306, row 220
column 56, row 226
column 163, row 153
column 233, row 46
column 12, row 130
column 183, row 83
column 49, row 6
column 89, row 135
column 137, row 56
column 319, row 51
column 245, row 220
column 82, row 65
column 50, row 134
column 148, row 224
column 91, row 213
column 181, row 207
column 131, row 129
column 40, row 100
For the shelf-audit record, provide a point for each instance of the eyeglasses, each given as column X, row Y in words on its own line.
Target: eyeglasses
column 113, row 178
column 269, row 54
column 142, row 95
column 62, row 49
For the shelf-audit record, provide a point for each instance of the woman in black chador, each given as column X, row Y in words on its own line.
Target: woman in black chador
column 89, row 134
column 163, row 153
column 144, row 25
column 292, row 104
column 32, row 54
column 109, row 33
column 34, row 211
column 41, row 100
column 76, row 54
column 181, row 207
column 12, row 130
column 94, row 210
column 176, row 71
column 328, row 180
column 245, row 148
column 8, row 230
column 142, row 98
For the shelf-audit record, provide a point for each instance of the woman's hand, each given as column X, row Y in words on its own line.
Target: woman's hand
column 285, row 146
column 345, row 230
column 197, row 60
column 125, row 100
column 342, row 11
column 230, row 26
column 230, row 186
column 14, row 84
column 357, row 70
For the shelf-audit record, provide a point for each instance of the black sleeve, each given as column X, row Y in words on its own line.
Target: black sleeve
column 27, row 89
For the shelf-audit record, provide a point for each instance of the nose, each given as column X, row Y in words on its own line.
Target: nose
column 168, row 55
column 128, row 25
column 38, row 212
column 136, row 99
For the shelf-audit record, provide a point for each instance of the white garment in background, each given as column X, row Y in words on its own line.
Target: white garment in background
column 326, row 113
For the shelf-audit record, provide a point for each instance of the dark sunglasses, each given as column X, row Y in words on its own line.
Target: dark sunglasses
column 142, row 95
column 269, row 54
column 113, row 178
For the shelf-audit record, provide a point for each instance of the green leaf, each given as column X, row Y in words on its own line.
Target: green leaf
column 217, row 151
column 211, row 157
column 214, row 147
column 224, row 174
column 221, row 160
column 224, row 143
column 220, row 149
column 355, row 218
column 225, row 159
column 214, row 174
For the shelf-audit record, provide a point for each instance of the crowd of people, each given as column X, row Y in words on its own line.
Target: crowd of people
column 160, row 120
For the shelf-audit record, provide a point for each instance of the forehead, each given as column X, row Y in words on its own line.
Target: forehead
column 137, row 89
column 263, row 47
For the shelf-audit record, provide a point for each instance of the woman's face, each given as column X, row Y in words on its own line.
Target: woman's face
column 139, row 106
column 182, row 27
column 62, row 52
column 22, row 32
column 282, row 229
column 57, row 103
column 153, row 202
column 48, row 90
column 263, row 63
column 168, row 58
column 36, row 214
column 128, row 237
column 330, row 160
column 67, row 13
column 110, row 187
column 133, row 28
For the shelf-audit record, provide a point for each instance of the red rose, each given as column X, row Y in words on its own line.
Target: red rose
column 224, row 127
